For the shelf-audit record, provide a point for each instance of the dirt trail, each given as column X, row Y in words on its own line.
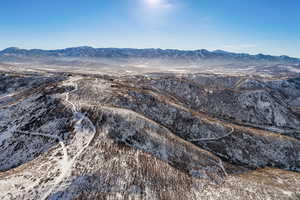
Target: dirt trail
column 64, row 163
column 84, row 134
column 211, row 139
column 240, row 82
column 8, row 95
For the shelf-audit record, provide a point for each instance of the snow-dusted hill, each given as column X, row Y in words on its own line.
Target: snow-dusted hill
column 148, row 136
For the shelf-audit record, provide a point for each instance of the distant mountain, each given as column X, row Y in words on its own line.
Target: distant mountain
column 201, row 54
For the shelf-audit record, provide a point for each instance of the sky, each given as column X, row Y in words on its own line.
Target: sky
column 250, row 26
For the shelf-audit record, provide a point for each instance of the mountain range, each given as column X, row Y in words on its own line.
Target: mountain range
column 202, row 54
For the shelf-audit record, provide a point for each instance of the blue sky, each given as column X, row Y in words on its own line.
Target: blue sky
column 252, row 26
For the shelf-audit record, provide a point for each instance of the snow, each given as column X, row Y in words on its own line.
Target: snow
column 7, row 95
column 83, row 135
column 59, row 171
column 4, row 136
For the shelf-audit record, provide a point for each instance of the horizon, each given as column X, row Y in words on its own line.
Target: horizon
column 242, row 27
column 213, row 50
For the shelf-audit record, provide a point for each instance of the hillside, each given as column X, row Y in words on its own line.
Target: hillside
column 148, row 136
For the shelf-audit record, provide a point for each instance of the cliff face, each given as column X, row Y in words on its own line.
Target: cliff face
column 152, row 136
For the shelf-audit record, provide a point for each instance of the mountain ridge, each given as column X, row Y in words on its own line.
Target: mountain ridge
column 200, row 54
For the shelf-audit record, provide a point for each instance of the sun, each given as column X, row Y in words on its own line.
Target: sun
column 153, row 2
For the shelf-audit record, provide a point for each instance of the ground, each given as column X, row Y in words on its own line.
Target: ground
column 148, row 135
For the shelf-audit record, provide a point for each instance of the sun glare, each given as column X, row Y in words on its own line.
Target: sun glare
column 153, row 2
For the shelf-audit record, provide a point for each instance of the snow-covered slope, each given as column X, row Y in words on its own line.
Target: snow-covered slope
column 148, row 136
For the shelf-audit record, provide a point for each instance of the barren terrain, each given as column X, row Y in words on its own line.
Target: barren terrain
column 159, row 133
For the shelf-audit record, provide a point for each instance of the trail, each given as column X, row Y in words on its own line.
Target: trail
column 8, row 95
column 240, row 82
column 74, row 108
column 212, row 139
column 84, row 134
column 64, row 163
